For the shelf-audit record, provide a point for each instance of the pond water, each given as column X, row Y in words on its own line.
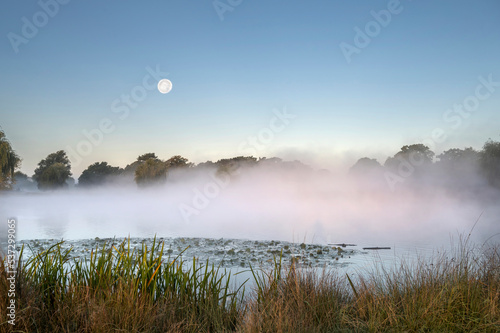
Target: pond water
column 237, row 228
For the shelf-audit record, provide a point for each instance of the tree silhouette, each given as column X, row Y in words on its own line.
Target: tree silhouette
column 147, row 156
column 490, row 162
column 97, row 174
column 231, row 166
column 9, row 162
column 365, row 166
column 150, row 171
column 178, row 161
column 416, row 156
column 53, row 171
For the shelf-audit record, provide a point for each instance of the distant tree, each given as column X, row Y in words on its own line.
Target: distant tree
column 53, row 171
column 296, row 166
column 490, row 162
column 455, row 155
column 270, row 161
column 365, row 166
column 416, row 154
column 411, row 162
column 23, row 182
column 98, row 174
column 20, row 176
column 70, row 182
column 54, row 176
column 231, row 165
column 178, row 161
column 238, row 160
column 147, row 156
column 458, row 160
column 413, row 156
column 207, row 164
column 457, row 169
column 129, row 171
column 130, row 168
column 150, row 171
column 9, row 162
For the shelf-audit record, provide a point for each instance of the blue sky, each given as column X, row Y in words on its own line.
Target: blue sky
column 231, row 76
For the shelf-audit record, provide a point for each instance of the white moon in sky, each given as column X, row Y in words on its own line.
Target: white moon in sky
column 164, row 86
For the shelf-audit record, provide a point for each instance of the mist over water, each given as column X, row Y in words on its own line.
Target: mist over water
column 267, row 202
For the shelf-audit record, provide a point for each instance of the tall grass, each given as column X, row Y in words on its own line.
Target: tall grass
column 447, row 294
column 119, row 289
column 292, row 299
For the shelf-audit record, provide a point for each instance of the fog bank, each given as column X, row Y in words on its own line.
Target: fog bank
column 267, row 202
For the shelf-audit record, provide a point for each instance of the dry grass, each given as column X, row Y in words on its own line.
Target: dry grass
column 121, row 290
column 460, row 294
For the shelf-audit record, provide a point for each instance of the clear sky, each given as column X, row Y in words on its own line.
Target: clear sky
column 361, row 78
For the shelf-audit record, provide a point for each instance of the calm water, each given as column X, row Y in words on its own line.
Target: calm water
column 78, row 215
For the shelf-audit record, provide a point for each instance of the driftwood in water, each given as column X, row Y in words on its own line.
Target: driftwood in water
column 343, row 244
column 376, row 248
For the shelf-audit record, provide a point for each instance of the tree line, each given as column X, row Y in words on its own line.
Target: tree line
column 455, row 167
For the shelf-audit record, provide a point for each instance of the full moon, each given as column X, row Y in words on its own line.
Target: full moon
column 164, row 86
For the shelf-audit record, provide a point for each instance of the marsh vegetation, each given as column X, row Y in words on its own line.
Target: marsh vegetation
column 121, row 288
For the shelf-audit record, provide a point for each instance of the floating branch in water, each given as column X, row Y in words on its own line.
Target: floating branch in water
column 376, row 248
